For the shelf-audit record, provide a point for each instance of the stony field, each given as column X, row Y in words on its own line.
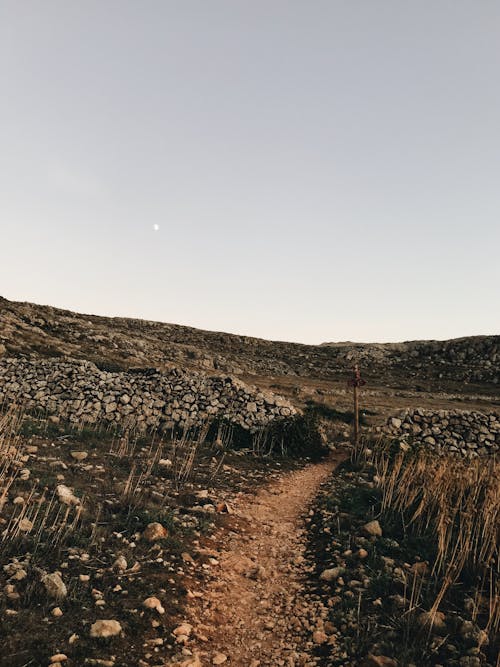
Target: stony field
column 174, row 497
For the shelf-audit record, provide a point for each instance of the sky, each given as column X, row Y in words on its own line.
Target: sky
column 313, row 170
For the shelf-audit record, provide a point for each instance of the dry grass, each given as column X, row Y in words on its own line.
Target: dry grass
column 458, row 501
column 39, row 515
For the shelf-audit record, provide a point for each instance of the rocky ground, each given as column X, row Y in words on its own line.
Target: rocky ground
column 246, row 561
column 101, row 541
column 374, row 576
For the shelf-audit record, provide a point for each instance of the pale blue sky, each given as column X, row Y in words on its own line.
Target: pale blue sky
column 318, row 170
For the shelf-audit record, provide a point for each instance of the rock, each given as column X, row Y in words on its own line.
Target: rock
column 25, row 525
column 420, row 568
column 58, row 657
column 66, row 496
column 55, row 586
column 332, row 573
column 105, row 628
column 219, row 659
column 223, row 508
column 193, row 661
column 155, row 604
column 154, row 531
column 79, row 455
column 56, row 612
column 120, row 564
column 183, row 629
column 319, row 637
column 436, row 620
column 372, row 529
column 395, row 422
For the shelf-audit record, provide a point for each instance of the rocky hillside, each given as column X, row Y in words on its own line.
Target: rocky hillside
column 120, row 343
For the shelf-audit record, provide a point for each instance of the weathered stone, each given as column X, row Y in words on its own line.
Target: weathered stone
column 105, row 628
column 55, row 586
column 154, row 531
column 372, row 529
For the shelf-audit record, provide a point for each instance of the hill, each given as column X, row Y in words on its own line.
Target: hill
column 120, row 343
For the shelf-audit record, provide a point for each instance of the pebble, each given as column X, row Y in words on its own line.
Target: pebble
column 154, row 531
column 105, row 628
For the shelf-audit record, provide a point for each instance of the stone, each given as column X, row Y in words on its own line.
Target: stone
column 154, row 604
column 332, row 573
column 79, row 455
column 183, row 629
column 55, row 586
column 59, row 657
column 105, row 628
column 192, row 661
column 372, row 529
column 120, row 564
column 155, row 531
column 25, row 525
column 436, row 621
column 66, row 495
column 219, row 659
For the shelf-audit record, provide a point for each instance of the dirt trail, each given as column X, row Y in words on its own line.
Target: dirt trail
column 254, row 610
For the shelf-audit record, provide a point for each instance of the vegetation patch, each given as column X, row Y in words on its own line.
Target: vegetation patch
column 94, row 522
column 405, row 548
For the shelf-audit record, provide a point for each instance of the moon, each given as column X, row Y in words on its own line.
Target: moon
column 156, row 228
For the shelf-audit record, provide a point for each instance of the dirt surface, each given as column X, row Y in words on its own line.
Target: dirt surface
column 253, row 610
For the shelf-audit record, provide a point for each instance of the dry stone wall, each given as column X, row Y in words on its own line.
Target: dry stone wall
column 77, row 390
column 459, row 432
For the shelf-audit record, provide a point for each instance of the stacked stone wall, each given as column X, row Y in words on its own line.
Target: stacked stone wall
column 461, row 432
column 80, row 392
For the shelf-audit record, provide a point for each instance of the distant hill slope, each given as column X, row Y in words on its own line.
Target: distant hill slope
column 122, row 343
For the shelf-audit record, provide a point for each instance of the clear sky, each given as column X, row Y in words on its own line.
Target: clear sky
column 302, row 170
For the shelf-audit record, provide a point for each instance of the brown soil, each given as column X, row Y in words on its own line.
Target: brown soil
column 246, row 608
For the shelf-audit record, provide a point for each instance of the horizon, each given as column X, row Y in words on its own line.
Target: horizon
column 282, row 170
column 235, row 333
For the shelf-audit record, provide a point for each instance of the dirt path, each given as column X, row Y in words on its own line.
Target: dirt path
column 254, row 611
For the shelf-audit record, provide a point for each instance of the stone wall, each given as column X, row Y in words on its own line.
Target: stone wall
column 459, row 432
column 77, row 390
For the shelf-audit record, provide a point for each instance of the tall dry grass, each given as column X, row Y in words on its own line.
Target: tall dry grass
column 458, row 501
column 40, row 517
